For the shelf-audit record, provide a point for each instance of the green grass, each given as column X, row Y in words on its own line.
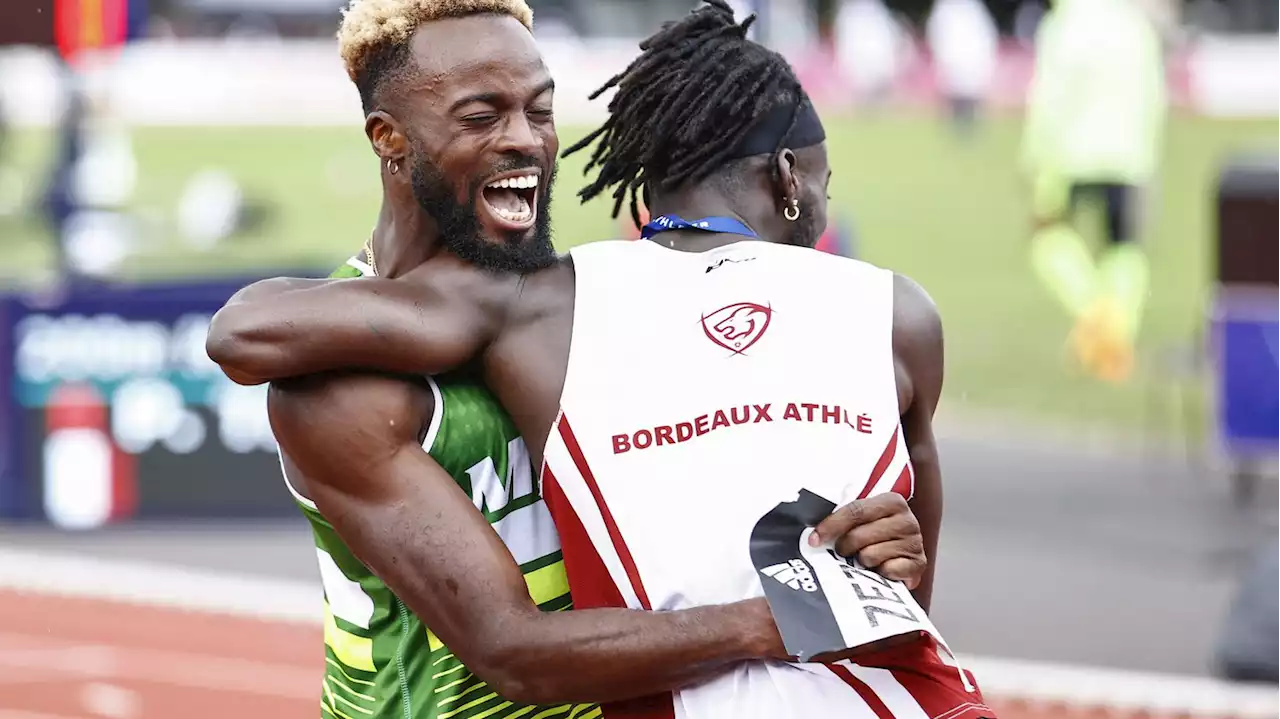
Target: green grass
column 952, row 215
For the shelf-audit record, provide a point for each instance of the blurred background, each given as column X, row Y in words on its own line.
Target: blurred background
column 1109, row 452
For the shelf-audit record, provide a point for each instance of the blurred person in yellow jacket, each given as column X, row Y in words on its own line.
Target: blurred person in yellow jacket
column 1093, row 129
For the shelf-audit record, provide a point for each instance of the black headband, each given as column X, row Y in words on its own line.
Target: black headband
column 770, row 131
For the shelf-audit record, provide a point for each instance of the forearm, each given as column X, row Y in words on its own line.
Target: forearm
column 309, row 327
column 474, row 598
column 603, row 655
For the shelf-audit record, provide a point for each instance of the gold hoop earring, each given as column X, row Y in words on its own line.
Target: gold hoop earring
column 792, row 212
column 393, row 167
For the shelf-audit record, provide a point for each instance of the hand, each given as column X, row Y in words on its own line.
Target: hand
column 881, row 533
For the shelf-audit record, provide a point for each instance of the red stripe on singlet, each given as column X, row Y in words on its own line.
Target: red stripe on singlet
column 619, row 545
column 590, row 584
column 905, row 485
column 886, row 458
column 933, row 684
column 589, row 580
column 867, row 693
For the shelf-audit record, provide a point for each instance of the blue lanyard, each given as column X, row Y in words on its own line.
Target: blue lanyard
column 667, row 223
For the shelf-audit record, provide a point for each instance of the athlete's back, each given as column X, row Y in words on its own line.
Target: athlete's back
column 381, row 661
column 703, row 390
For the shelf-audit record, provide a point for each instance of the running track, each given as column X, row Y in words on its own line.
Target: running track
column 65, row 658
column 76, row 657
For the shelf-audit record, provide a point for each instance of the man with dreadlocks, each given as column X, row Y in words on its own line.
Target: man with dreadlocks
column 684, row 458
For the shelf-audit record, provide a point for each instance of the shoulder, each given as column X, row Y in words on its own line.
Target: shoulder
column 546, row 292
column 917, row 343
column 915, row 315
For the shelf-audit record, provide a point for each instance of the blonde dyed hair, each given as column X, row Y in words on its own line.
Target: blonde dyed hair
column 372, row 31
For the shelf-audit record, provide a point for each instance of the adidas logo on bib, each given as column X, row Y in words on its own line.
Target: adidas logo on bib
column 794, row 573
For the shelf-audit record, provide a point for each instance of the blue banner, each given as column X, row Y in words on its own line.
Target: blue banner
column 1247, row 339
column 111, row 410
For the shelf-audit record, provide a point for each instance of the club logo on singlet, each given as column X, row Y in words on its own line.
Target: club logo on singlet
column 738, row 326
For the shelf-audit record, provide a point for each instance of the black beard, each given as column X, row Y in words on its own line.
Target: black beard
column 461, row 231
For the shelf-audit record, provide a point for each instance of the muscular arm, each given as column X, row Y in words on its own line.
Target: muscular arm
column 298, row 327
column 917, row 346
column 258, row 292
column 355, row 438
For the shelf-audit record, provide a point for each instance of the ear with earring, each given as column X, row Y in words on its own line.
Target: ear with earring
column 792, row 210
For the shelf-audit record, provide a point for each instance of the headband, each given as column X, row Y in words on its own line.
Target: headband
column 770, row 131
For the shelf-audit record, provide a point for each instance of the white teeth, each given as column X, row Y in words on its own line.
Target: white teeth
column 520, row 216
column 523, row 182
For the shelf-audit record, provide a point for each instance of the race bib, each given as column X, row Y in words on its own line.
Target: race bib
column 820, row 601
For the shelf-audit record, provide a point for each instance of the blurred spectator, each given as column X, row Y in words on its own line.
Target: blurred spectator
column 868, row 44
column 962, row 37
column 1093, row 127
column 94, row 169
column 59, row 200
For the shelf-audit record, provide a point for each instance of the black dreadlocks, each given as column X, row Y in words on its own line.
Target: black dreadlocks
column 685, row 105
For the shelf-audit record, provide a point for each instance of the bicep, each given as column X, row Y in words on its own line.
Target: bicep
column 397, row 509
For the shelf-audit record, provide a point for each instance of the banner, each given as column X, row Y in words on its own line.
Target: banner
column 111, row 410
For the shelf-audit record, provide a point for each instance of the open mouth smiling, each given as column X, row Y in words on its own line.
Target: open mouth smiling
column 511, row 199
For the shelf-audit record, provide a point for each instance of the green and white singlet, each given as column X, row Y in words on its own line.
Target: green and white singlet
column 381, row 661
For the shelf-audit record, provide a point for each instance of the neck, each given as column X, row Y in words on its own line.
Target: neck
column 702, row 201
column 402, row 240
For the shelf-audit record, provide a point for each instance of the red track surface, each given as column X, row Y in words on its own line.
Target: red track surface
column 63, row 658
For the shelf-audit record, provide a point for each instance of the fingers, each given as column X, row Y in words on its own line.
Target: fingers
column 882, row 533
column 867, row 538
column 903, row 565
column 875, row 556
column 857, row 513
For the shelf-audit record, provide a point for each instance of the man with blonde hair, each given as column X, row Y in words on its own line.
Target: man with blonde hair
column 442, row 569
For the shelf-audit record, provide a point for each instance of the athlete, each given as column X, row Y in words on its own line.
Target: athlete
column 675, row 451
column 1095, row 116
column 424, row 483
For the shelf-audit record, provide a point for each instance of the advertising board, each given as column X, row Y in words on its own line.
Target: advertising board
column 113, row 411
